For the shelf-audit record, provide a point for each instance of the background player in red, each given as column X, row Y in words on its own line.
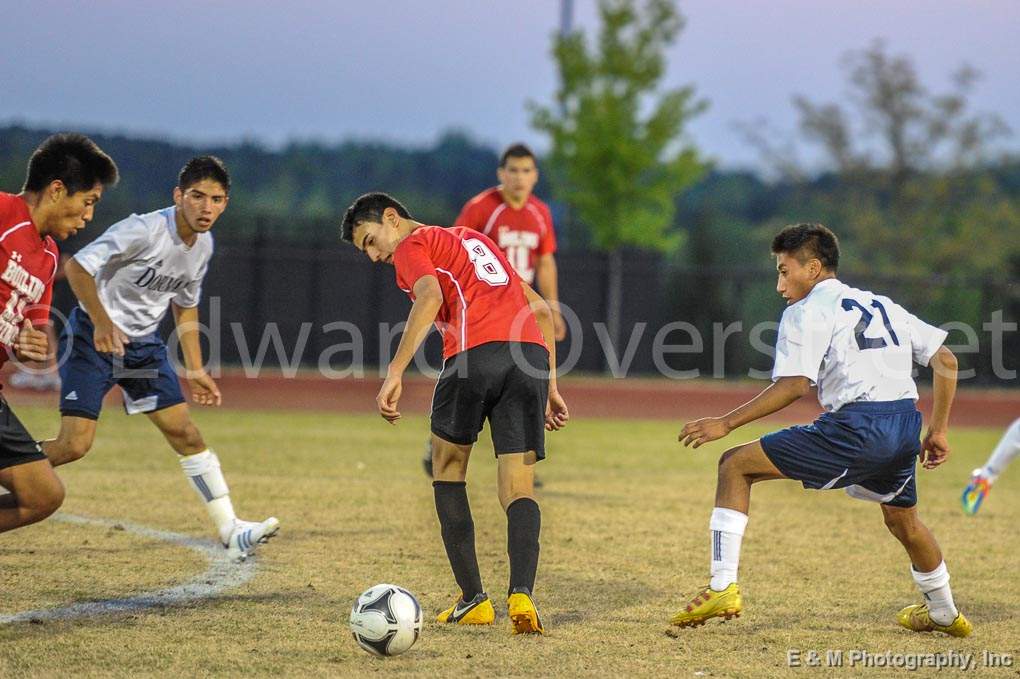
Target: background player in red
column 499, row 365
column 520, row 224
column 66, row 176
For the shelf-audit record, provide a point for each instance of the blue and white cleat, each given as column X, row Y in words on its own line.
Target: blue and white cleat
column 975, row 492
column 247, row 535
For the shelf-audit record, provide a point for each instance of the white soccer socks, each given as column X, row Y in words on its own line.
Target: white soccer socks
column 934, row 587
column 727, row 529
column 203, row 472
column 1004, row 453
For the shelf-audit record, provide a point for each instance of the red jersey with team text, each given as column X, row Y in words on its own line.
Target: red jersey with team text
column 28, row 263
column 483, row 300
column 522, row 234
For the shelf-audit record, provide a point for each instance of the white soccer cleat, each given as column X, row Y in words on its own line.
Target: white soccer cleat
column 247, row 535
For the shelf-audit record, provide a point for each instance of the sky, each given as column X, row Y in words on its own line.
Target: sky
column 406, row 70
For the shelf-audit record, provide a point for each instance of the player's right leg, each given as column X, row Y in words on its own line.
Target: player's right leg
column 739, row 468
column 201, row 467
column 34, row 491
column 73, row 441
column 457, row 526
column 982, row 478
column 86, row 376
column 939, row 612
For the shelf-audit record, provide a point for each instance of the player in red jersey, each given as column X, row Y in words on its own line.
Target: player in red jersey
column 520, row 224
column 499, row 365
column 66, row 176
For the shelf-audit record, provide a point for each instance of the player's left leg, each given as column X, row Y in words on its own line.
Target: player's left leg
column 516, row 489
column 939, row 612
column 34, row 492
column 202, row 468
column 739, row 469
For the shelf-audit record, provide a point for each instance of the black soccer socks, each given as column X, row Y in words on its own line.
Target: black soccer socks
column 523, row 523
column 458, row 535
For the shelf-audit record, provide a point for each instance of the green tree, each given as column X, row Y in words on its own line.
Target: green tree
column 618, row 153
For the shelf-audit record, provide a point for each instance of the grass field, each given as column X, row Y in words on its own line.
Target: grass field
column 625, row 513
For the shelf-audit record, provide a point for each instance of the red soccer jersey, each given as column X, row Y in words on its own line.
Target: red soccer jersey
column 522, row 234
column 483, row 300
column 28, row 263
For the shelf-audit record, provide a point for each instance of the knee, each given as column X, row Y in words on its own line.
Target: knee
column 185, row 436
column 74, row 448
column 447, row 466
column 903, row 526
column 45, row 500
column 729, row 464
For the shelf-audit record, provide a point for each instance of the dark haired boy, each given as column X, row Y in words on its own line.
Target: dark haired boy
column 124, row 281
column 65, row 179
column 859, row 349
column 500, row 366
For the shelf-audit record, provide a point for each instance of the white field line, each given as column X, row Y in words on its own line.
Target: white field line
column 221, row 575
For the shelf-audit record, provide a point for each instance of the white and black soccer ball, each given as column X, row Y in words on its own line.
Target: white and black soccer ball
column 386, row 620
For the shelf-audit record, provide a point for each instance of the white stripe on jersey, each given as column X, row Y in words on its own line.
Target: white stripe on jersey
column 13, row 228
column 463, row 309
column 492, row 218
column 539, row 217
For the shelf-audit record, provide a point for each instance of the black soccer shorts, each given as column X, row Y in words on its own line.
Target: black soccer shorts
column 16, row 445
column 504, row 382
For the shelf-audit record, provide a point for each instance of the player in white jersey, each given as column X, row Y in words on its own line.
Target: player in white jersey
column 124, row 281
column 982, row 478
column 858, row 348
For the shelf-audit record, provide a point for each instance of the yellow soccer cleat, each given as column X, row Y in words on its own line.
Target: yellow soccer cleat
column 916, row 618
column 710, row 604
column 478, row 611
column 523, row 613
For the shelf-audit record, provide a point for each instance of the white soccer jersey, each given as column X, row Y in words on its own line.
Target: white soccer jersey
column 855, row 345
column 141, row 265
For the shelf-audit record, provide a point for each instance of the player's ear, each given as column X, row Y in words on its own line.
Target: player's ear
column 178, row 195
column 56, row 190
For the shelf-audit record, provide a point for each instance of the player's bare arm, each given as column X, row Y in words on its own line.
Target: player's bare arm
column 108, row 338
column 773, row 398
column 556, row 413
column 428, row 299
column 203, row 387
column 935, row 448
column 547, row 277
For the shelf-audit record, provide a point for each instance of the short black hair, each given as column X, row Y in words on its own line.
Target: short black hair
column 517, row 150
column 814, row 240
column 368, row 208
column 203, row 167
column 72, row 158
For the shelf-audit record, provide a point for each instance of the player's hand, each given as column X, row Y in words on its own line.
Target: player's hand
column 389, row 395
column 109, row 339
column 32, row 344
column 702, row 431
column 203, row 389
column 559, row 327
column 934, row 449
column 556, row 414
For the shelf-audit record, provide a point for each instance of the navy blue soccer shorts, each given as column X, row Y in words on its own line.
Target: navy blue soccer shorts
column 868, row 448
column 144, row 373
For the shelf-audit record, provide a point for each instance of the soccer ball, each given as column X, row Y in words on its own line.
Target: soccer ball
column 386, row 620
